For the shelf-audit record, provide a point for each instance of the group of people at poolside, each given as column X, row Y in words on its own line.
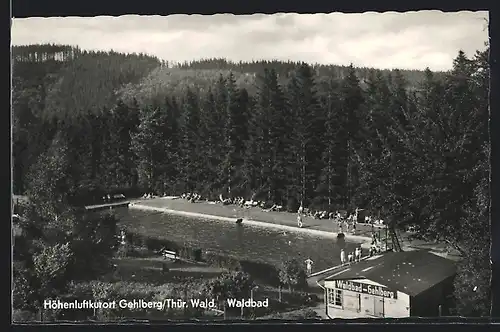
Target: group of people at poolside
column 240, row 201
column 345, row 222
column 351, row 257
column 355, row 256
column 336, row 216
column 191, row 197
column 376, row 246
column 243, row 203
column 109, row 198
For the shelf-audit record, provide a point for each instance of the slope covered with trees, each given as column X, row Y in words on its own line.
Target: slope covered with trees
column 54, row 84
column 410, row 146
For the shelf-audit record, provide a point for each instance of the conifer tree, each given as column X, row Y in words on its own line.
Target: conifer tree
column 190, row 144
column 331, row 189
column 352, row 100
column 148, row 145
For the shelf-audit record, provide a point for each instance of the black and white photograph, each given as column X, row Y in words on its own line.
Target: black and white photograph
column 265, row 167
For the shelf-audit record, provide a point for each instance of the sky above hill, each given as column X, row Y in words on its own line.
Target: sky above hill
column 413, row 40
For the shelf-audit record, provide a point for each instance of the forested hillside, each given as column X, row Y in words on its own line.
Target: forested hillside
column 55, row 84
column 411, row 145
column 284, row 69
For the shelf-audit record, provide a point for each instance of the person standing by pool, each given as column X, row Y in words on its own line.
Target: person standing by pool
column 123, row 240
column 309, row 264
column 357, row 254
column 338, row 218
column 299, row 220
column 334, row 221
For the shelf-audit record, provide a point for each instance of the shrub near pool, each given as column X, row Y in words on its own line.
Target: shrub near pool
column 258, row 270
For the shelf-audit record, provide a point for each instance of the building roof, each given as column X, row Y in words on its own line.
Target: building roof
column 410, row 272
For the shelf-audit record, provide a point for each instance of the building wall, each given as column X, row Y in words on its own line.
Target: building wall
column 394, row 308
column 426, row 304
column 367, row 305
column 398, row 308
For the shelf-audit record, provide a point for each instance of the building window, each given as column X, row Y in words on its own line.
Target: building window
column 335, row 297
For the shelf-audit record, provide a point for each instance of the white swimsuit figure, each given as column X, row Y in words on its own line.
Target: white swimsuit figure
column 342, row 257
column 309, row 264
column 350, row 257
column 357, row 254
column 122, row 237
column 299, row 221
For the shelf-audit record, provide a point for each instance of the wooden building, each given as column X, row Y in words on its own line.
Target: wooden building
column 393, row 284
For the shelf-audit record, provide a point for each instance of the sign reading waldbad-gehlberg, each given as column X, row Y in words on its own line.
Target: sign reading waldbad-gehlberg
column 366, row 289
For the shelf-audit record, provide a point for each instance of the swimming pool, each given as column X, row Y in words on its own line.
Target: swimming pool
column 245, row 241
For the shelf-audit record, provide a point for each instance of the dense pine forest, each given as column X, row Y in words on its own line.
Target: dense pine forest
column 412, row 146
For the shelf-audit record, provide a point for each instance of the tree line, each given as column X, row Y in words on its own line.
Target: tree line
column 415, row 153
column 54, row 82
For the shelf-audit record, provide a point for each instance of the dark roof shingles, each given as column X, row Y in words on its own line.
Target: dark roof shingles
column 410, row 272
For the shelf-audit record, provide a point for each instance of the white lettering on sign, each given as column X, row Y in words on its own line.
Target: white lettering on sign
column 366, row 289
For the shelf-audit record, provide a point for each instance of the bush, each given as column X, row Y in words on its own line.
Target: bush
column 193, row 254
column 261, row 271
column 153, row 244
column 293, row 275
column 229, row 285
column 197, row 253
column 258, row 270
column 225, row 262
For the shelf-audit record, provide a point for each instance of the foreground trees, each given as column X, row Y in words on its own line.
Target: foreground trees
column 292, row 275
column 56, row 244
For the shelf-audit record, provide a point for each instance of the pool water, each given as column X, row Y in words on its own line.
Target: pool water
column 245, row 241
